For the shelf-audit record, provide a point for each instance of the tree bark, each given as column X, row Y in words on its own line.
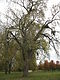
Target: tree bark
column 6, row 67
column 25, row 69
column 10, row 67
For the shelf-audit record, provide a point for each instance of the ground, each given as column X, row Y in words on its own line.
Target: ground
column 37, row 75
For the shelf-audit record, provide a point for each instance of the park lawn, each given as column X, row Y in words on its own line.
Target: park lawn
column 37, row 75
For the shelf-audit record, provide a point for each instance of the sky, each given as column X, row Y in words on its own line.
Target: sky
column 3, row 6
column 3, row 9
column 53, row 56
column 49, row 4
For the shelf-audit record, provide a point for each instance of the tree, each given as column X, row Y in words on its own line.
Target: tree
column 46, row 65
column 2, row 50
column 32, row 34
column 6, row 57
column 40, row 66
column 52, row 65
column 12, row 51
column 27, row 32
column 57, row 65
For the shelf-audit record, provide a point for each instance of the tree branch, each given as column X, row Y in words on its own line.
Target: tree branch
column 39, row 32
column 14, row 13
column 50, row 21
column 46, row 26
column 20, row 5
column 51, row 39
column 15, row 39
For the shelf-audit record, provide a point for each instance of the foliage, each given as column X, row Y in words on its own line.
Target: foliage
column 14, row 56
column 52, row 65
column 49, row 65
column 46, row 65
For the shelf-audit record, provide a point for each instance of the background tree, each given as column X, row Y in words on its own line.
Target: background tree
column 57, row 65
column 52, row 65
column 41, row 66
column 46, row 65
column 12, row 49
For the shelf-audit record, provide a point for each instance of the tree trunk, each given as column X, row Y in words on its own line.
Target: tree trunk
column 25, row 56
column 25, row 69
column 6, row 67
column 9, row 67
column 6, row 70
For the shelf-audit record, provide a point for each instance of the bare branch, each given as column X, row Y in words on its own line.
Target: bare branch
column 39, row 32
column 20, row 5
column 55, row 14
column 50, row 21
column 46, row 26
column 15, row 38
column 51, row 39
column 10, row 18
column 14, row 13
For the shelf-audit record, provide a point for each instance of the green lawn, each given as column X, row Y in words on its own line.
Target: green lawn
column 37, row 75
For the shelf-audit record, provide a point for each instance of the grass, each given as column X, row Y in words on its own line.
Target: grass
column 37, row 75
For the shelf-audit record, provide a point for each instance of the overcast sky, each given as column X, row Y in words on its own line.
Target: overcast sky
column 3, row 8
column 48, row 13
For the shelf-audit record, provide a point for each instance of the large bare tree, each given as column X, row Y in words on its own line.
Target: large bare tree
column 33, row 32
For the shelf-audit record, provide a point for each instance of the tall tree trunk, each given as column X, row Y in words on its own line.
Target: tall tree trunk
column 6, row 70
column 6, row 67
column 25, row 55
column 25, row 67
column 10, row 67
column 25, row 70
